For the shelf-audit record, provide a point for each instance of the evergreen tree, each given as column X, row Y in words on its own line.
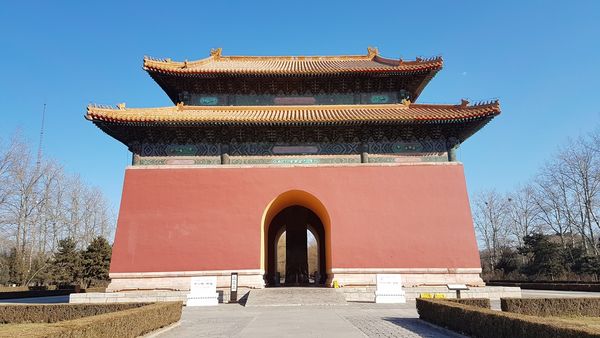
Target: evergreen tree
column 40, row 269
column 15, row 267
column 96, row 261
column 586, row 265
column 67, row 263
column 509, row 261
column 4, row 269
column 547, row 259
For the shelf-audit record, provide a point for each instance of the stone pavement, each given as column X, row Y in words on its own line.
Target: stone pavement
column 352, row 320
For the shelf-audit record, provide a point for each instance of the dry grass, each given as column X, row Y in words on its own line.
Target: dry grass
column 593, row 322
column 26, row 330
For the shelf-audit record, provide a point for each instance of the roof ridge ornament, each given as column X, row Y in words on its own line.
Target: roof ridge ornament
column 405, row 102
column 216, row 52
column 464, row 102
column 180, row 106
column 372, row 52
column 121, row 106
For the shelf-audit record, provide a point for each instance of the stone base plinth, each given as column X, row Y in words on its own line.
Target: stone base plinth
column 180, row 280
column 202, row 300
column 411, row 277
column 390, row 298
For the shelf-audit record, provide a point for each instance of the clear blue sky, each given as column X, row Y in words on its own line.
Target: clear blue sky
column 540, row 58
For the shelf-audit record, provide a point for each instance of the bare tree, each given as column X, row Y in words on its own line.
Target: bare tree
column 523, row 213
column 490, row 217
column 40, row 205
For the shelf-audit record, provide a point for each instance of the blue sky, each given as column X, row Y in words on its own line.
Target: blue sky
column 540, row 58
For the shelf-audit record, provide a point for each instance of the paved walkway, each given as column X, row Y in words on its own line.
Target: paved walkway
column 353, row 320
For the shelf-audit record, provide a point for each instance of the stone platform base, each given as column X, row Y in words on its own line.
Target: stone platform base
column 145, row 296
column 351, row 294
column 367, row 294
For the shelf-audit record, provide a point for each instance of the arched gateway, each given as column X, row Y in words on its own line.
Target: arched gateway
column 296, row 226
column 295, row 250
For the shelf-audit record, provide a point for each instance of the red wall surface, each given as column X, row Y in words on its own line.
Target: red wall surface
column 194, row 219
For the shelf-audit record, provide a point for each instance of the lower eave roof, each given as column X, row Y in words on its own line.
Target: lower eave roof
column 294, row 115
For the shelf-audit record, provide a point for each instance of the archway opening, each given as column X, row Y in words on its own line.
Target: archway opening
column 295, row 248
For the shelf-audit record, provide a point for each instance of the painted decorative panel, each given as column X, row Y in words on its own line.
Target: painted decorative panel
column 180, row 161
column 283, row 142
column 290, row 160
column 378, row 99
column 209, row 100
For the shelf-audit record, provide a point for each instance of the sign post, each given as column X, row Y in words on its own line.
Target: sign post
column 233, row 288
column 457, row 288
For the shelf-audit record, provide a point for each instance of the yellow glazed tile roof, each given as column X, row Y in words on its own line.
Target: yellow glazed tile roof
column 313, row 114
column 291, row 65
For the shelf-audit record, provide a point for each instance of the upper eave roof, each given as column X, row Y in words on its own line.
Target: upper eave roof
column 295, row 115
column 291, row 65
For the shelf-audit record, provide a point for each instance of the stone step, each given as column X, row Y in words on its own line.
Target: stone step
column 295, row 296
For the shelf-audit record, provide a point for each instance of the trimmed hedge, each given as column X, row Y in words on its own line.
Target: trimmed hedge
column 542, row 281
column 477, row 302
column 588, row 287
column 559, row 307
column 127, row 323
column 478, row 322
column 52, row 313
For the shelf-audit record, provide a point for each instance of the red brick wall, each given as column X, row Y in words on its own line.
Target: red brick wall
column 399, row 216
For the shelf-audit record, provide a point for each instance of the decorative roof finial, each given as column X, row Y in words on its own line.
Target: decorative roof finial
column 216, row 52
column 179, row 106
column 464, row 102
column 121, row 106
column 372, row 51
column 405, row 102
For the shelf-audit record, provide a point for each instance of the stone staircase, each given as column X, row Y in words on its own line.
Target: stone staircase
column 295, row 296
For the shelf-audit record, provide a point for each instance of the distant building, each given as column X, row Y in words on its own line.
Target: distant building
column 333, row 147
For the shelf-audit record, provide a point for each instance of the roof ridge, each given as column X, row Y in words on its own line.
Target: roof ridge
column 216, row 55
column 181, row 107
column 463, row 104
